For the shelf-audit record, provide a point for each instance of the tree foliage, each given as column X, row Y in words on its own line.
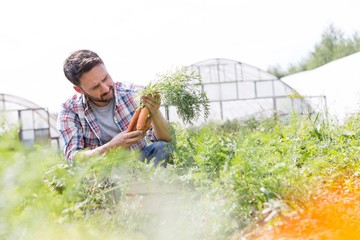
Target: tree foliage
column 333, row 45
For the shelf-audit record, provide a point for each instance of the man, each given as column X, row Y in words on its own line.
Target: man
column 96, row 120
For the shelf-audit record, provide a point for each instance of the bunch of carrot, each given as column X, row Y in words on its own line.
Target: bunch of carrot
column 178, row 88
column 141, row 119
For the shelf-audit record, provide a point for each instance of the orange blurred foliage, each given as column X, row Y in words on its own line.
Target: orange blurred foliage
column 334, row 214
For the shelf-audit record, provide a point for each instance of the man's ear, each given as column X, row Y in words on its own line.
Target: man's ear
column 79, row 90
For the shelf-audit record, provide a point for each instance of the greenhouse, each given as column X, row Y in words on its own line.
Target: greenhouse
column 35, row 124
column 238, row 90
column 338, row 80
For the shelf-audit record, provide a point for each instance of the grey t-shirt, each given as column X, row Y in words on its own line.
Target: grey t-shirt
column 105, row 117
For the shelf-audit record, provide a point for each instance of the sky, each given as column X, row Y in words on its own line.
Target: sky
column 139, row 39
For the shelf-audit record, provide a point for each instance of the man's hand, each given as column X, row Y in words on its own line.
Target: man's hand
column 151, row 102
column 126, row 139
column 159, row 123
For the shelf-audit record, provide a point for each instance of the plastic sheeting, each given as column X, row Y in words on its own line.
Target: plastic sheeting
column 338, row 81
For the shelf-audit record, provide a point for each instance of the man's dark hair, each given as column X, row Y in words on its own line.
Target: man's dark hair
column 78, row 63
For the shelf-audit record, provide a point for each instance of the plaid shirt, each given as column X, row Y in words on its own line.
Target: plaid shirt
column 79, row 128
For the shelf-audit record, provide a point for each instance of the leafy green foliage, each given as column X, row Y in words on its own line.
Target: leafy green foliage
column 225, row 179
column 181, row 89
column 205, row 153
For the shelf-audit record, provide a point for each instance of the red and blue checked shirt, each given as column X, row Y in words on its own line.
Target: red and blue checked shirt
column 79, row 128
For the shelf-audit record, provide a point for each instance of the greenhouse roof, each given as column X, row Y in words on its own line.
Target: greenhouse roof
column 230, row 70
column 338, row 80
column 12, row 102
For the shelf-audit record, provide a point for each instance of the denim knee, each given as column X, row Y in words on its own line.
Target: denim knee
column 157, row 152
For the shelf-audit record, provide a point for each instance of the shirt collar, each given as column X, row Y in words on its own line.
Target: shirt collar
column 116, row 93
column 85, row 100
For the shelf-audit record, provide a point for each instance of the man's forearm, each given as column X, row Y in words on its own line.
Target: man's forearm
column 160, row 127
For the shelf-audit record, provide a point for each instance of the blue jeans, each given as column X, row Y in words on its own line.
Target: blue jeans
column 158, row 152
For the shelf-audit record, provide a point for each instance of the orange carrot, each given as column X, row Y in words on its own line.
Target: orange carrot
column 142, row 119
column 134, row 119
column 134, row 127
column 148, row 123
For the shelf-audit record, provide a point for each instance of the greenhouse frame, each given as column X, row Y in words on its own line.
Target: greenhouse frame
column 35, row 124
column 240, row 91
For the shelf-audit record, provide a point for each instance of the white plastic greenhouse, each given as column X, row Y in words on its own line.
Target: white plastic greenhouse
column 238, row 90
column 35, row 123
column 338, row 80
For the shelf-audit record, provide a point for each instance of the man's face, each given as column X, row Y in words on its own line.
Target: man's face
column 97, row 85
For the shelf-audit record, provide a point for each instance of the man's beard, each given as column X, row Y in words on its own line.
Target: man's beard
column 102, row 97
